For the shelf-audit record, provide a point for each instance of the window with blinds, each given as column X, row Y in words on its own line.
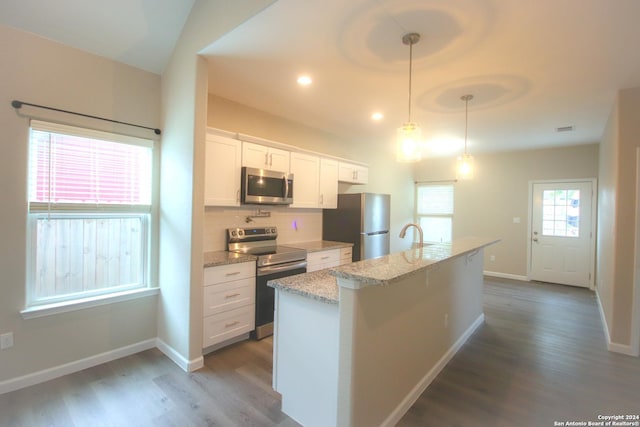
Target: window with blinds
column 434, row 211
column 90, row 202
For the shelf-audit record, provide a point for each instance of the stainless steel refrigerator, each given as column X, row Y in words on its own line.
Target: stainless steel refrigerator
column 361, row 219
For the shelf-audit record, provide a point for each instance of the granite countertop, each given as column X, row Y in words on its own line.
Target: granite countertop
column 319, row 285
column 216, row 258
column 320, row 245
column 393, row 267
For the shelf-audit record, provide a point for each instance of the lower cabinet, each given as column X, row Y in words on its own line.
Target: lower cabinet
column 328, row 258
column 229, row 302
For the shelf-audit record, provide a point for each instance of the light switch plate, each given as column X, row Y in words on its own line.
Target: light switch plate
column 516, row 220
column 6, row 341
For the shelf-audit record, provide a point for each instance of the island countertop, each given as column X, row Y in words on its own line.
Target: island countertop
column 322, row 285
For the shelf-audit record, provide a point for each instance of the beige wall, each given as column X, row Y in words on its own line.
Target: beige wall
column 184, row 101
column 499, row 192
column 617, row 218
column 39, row 71
column 385, row 174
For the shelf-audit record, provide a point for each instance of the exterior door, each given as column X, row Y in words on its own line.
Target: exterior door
column 562, row 235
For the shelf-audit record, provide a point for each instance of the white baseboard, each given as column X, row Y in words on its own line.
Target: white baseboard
column 415, row 393
column 178, row 359
column 612, row 346
column 75, row 366
column 505, row 275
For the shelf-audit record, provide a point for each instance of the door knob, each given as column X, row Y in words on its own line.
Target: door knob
column 535, row 239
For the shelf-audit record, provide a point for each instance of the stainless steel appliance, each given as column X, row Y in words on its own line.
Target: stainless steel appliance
column 274, row 262
column 361, row 219
column 265, row 187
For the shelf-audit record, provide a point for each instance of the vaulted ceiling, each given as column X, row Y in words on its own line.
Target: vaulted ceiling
column 532, row 67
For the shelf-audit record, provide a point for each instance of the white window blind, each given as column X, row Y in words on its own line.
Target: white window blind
column 434, row 211
column 71, row 166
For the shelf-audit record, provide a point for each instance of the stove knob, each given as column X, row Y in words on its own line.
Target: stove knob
column 240, row 232
column 273, row 230
column 267, row 231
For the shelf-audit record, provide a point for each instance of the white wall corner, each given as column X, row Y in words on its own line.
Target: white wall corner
column 612, row 346
column 184, row 363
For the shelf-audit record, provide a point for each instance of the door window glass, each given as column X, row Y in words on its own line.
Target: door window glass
column 561, row 213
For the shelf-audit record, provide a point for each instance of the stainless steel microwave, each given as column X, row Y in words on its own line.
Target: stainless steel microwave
column 265, row 187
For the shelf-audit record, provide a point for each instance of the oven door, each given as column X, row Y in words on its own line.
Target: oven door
column 264, row 187
column 265, row 295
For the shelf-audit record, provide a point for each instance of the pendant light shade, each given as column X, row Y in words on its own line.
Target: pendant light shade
column 465, row 164
column 408, row 138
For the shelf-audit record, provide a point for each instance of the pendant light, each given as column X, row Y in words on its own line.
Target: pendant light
column 464, row 167
column 408, row 136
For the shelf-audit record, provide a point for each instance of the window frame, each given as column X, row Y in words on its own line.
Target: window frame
column 38, row 306
column 449, row 216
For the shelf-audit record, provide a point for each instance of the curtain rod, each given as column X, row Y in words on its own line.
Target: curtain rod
column 18, row 104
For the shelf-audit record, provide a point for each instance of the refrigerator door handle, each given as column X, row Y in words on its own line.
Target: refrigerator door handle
column 375, row 233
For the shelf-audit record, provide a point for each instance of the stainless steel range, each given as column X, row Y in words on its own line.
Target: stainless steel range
column 274, row 262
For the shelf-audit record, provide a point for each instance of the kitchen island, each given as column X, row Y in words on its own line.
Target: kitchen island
column 357, row 344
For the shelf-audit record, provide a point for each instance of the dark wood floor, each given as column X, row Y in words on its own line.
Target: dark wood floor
column 540, row 357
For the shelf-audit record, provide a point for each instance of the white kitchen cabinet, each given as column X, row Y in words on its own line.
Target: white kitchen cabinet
column 352, row 173
column 346, row 255
column 323, row 259
column 228, row 302
column 306, row 185
column 264, row 157
column 222, row 171
column 328, row 183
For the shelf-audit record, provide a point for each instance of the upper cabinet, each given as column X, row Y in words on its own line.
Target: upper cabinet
column 222, row 171
column 306, row 180
column 352, row 173
column 263, row 157
column 328, row 183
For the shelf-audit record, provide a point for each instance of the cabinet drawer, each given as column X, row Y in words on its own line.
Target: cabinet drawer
column 227, row 325
column 226, row 296
column 324, row 257
column 346, row 255
column 226, row 273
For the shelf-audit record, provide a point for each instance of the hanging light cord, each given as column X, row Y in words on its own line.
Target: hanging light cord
column 466, row 122
column 466, row 99
column 410, row 72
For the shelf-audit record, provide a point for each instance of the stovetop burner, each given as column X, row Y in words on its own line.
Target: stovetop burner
column 262, row 243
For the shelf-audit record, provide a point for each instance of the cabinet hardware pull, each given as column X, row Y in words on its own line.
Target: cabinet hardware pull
column 228, row 325
column 324, row 257
column 271, row 159
column 232, row 295
column 266, row 159
column 235, row 273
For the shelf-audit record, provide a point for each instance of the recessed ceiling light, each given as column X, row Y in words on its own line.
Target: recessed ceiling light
column 304, row 80
column 377, row 116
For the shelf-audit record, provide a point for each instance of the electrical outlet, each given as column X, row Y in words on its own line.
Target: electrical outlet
column 446, row 320
column 492, row 258
column 6, row 341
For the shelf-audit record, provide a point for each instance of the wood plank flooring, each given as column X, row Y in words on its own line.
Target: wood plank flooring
column 540, row 357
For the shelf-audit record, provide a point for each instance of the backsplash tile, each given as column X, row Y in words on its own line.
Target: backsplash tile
column 294, row 225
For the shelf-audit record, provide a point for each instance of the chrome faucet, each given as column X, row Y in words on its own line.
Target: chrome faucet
column 403, row 232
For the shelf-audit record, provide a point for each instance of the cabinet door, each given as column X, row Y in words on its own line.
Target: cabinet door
column 263, row 157
column 306, row 186
column 352, row 173
column 278, row 160
column 361, row 174
column 222, row 171
column 255, row 156
column 328, row 184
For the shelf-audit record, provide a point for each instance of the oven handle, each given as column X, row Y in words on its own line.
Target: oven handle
column 263, row 271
